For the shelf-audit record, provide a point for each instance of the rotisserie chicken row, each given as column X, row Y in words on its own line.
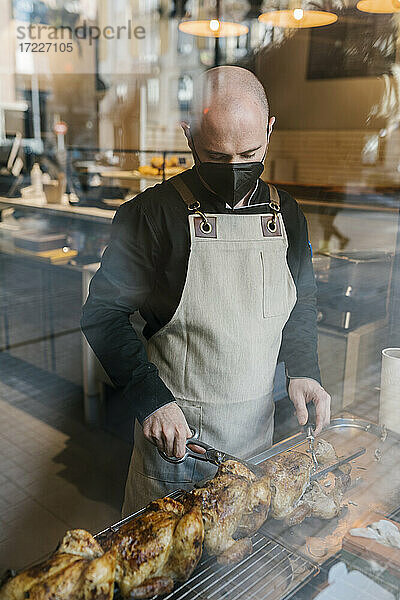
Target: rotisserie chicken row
column 78, row 570
column 163, row 544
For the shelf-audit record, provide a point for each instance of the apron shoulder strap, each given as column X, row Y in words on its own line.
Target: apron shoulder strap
column 183, row 190
column 274, row 196
column 189, row 199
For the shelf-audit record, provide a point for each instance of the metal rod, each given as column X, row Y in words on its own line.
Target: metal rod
column 342, row 461
column 163, row 164
column 37, row 134
column 217, row 52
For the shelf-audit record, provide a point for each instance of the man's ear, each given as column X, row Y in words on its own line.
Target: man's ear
column 186, row 130
column 270, row 126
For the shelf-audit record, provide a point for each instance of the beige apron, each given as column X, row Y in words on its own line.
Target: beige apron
column 218, row 353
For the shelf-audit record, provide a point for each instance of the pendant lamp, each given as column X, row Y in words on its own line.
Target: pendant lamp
column 379, row 6
column 214, row 27
column 298, row 16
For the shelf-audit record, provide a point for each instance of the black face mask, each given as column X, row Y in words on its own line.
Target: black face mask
column 229, row 181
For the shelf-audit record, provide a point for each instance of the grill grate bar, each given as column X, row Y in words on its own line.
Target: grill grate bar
column 214, row 573
column 252, row 568
column 269, row 581
column 252, row 574
column 250, row 564
column 395, row 515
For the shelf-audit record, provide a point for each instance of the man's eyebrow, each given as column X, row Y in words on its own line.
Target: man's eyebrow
column 252, row 150
column 210, row 151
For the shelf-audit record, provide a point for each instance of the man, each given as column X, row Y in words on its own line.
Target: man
column 218, row 264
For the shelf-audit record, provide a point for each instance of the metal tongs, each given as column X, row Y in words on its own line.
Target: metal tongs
column 309, row 428
column 211, row 454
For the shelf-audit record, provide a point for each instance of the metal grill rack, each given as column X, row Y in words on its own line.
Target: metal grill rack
column 271, row 572
column 395, row 515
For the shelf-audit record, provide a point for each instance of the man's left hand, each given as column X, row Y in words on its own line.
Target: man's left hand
column 305, row 390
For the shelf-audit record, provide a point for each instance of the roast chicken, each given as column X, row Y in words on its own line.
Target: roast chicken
column 294, row 497
column 78, row 570
column 323, row 497
column 289, row 475
column 326, row 454
column 234, row 504
column 157, row 548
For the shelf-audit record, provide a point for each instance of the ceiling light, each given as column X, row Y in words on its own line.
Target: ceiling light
column 298, row 18
column 379, row 6
column 213, row 28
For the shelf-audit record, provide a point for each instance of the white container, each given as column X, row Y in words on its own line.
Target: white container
column 36, row 180
column 389, row 407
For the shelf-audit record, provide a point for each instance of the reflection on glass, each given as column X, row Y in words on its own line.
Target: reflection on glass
column 92, row 99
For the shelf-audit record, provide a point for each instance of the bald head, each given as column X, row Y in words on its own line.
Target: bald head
column 229, row 120
column 229, row 87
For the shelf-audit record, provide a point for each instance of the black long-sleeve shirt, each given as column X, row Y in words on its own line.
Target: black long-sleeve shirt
column 144, row 269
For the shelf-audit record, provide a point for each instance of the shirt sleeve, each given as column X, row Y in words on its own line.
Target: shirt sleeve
column 300, row 336
column 117, row 290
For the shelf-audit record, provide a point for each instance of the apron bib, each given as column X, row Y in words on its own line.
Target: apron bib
column 219, row 351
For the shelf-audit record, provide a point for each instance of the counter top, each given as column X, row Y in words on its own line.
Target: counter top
column 81, row 212
column 103, row 215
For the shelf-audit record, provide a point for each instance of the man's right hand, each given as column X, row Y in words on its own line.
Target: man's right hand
column 167, row 428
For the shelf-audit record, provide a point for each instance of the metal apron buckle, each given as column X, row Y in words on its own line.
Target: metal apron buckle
column 271, row 224
column 205, row 225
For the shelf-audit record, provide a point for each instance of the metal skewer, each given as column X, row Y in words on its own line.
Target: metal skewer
column 311, row 447
column 342, row 461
